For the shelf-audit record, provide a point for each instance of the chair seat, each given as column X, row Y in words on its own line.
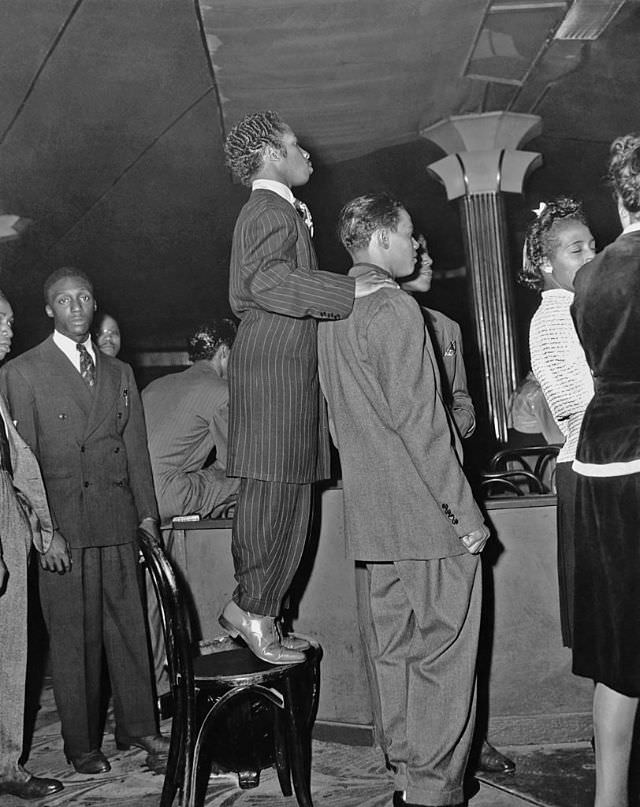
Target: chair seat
column 239, row 667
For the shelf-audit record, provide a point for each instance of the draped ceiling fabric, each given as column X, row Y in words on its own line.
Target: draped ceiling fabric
column 113, row 114
column 353, row 75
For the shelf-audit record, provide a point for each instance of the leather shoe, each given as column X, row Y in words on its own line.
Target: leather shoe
column 91, row 762
column 290, row 641
column 260, row 634
column 492, row 761
column 33, row 787
column 156, row 746
column 152, row 743
column 398, row 801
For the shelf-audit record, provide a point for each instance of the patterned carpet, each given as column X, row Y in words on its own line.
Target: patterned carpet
column 343, row 776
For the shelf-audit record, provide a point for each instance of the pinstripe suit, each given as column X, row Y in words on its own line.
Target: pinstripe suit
column 91, row 446
column 277, row 428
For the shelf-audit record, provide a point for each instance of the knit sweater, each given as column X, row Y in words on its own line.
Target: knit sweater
column 559, row 364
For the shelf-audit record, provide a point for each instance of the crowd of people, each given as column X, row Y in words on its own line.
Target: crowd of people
column 85, row 460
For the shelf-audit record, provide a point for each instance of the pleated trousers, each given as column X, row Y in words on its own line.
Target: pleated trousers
column 95, row 612
column 420, row 622
column 15, row 533
column 269, row 533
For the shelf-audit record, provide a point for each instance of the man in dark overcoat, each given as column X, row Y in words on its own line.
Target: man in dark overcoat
column 81, row 414
column 278, row 444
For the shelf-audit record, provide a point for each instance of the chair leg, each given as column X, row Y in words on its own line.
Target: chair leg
column 280, row 745
column 299, row 745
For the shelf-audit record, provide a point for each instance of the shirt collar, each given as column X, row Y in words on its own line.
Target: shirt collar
column 272, row 185
column 68, row 347
column 631, row 228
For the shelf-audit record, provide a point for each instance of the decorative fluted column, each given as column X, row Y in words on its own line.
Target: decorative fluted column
column 484, row 163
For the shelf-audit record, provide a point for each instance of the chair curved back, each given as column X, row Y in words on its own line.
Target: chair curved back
column 180, row 664
column 509, row 480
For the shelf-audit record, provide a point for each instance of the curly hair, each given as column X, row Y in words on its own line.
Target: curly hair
column 541, row 238
column 245, row 144
column 624, row 170
column 205, row 341
column 362, row 216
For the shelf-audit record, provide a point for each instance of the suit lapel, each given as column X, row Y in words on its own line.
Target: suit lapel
column 105, row 394
column 63, row 373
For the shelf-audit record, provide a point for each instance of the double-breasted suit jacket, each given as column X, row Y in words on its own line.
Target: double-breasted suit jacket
column 24, row 520
column 91, row 445
column 277, row 428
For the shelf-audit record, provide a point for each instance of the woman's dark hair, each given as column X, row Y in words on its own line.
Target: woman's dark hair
column 541, row 238
column 624, row 170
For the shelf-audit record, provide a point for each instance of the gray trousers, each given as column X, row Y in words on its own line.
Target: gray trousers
column 15, row 534
column 420, row 622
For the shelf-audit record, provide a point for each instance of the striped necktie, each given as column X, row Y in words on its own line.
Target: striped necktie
column 87, row 367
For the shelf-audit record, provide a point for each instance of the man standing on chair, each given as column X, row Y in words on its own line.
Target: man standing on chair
column 278, row 444
column 80, row 413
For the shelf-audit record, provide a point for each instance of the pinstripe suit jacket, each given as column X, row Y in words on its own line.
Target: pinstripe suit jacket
column 277, row 421
column 405, row 494
column 91, row 446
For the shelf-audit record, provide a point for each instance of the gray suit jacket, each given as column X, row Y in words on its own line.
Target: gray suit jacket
column 29, row 486
column 187, row 417
column 91, row 446
column 405, row 493
column 277, row 425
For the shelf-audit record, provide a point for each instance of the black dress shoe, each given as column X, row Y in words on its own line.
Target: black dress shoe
column 91, row 762
column 156, row 746
column 34, row 787
column 492, row 761
column 398, row 801
column 152, row 744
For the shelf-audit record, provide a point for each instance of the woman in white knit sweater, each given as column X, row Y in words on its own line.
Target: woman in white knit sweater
column 558, row 243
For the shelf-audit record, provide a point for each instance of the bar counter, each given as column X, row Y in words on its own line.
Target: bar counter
column 529, row 693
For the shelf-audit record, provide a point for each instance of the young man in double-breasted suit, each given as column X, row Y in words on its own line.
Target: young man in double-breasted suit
column 278, row 442
column 80, row 413
column 25, row 521
column 410, row 515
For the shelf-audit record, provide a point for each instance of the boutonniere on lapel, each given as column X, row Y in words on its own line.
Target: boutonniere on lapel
column 305, row 213
column 452, row 348
column 125, row 397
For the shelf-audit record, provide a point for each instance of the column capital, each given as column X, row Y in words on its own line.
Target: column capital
column 483, row 152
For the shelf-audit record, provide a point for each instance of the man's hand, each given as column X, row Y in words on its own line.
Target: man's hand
column 58, row 557
column 373, row 281
column 150, row 525
column 474, row 542
column 4, row 576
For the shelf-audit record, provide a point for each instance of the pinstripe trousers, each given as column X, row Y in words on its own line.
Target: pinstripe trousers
column 269, row 533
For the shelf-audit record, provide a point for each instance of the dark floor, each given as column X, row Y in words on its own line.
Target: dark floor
column 344, row 776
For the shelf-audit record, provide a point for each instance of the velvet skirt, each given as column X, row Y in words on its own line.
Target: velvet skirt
column 566, row 480
column 606, row 635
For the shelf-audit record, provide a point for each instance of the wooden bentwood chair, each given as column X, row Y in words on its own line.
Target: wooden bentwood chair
column 263, row 713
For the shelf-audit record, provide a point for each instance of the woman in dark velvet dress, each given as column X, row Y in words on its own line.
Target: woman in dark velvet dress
column 606, row 646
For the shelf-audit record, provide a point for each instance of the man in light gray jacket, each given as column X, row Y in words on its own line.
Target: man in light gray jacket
column 410, row 515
